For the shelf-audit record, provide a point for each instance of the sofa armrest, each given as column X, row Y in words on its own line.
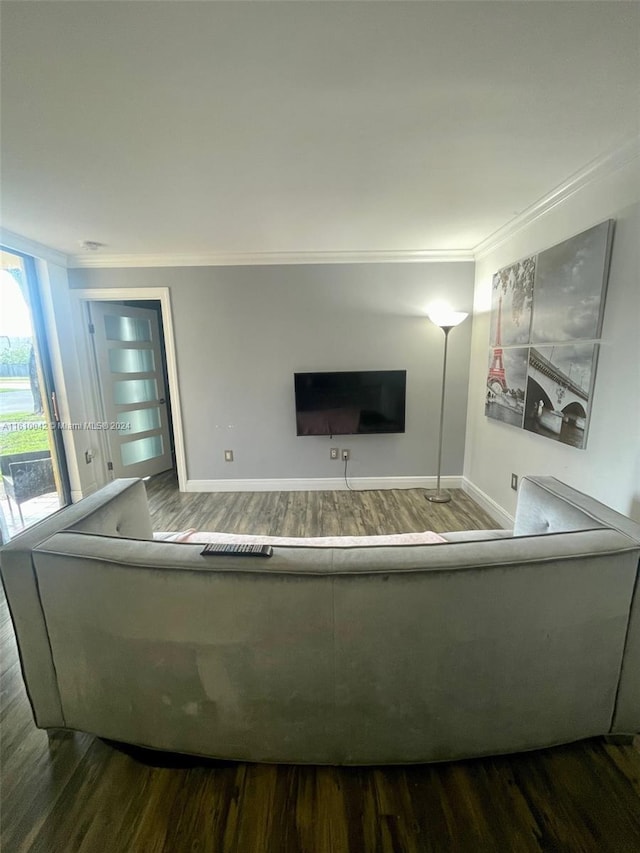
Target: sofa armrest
column 121, row 504
column 546, row 505
column 123, row 514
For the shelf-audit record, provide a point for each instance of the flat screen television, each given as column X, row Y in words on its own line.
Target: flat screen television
column 350, row 402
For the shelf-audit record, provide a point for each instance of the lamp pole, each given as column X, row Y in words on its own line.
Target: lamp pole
column 441, row 497
column 445, row 320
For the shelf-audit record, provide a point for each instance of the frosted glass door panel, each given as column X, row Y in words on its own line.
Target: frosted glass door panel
column 142, row 449
column 131, row 361
column 128, row 391
column 127, row 343
column 141, row 420
column 119, row 328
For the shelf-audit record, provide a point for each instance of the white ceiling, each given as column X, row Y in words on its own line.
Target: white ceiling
column 213, row 128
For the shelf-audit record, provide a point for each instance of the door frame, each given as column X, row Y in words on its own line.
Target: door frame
column 47, row 379
column 147, row 294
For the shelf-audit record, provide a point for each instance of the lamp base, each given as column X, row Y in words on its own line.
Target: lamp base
column 439, row 498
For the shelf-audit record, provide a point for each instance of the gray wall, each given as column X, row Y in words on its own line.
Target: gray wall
column 242, row 332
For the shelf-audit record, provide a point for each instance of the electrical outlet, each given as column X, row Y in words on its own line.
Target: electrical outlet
column 514, row 482
column 334, row 453
column 346, row 455
column 228, row 456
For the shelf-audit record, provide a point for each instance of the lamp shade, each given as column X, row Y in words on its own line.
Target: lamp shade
column 446, row 318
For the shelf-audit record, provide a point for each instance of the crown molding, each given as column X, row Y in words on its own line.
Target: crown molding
column 601, row 167
column 228, row 259
column 31, row 247
column 604, row 165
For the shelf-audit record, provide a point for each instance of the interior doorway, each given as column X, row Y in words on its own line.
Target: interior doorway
column 140, row 297
column 130, row 362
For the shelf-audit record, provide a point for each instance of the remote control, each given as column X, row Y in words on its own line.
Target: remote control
column 231, row 550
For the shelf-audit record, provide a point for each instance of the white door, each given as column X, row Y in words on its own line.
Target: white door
column 132, row 387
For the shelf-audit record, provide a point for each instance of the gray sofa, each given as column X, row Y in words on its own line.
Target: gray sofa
column 492, row 642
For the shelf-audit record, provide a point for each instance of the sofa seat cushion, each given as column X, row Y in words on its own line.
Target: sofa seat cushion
column 426, row 537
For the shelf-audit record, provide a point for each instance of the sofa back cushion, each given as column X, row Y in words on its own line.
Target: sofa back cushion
column 345, row 655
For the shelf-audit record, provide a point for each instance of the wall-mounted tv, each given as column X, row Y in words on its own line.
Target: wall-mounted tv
column 350, row 402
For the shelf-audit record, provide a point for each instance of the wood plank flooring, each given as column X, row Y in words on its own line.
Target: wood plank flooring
column 338, row 513
column 72, row 793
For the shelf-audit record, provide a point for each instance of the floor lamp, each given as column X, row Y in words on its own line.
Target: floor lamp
column 446, row 320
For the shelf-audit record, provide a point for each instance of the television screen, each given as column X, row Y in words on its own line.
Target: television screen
column 350, row 402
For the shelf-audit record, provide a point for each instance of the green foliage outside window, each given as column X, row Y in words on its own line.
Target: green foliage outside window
column 15, row 350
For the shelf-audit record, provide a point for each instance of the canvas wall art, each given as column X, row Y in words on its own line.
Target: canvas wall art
column 505, row 402
column 546, row 320
column 511, row 303
column 570, row 288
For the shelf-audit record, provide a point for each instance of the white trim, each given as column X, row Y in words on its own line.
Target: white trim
column 32, row 248
column 58, row 374
column 228, row 259
column 163, row 294
column 321, row 484
column 488, row 504
column 101, row 440
column 594, row 171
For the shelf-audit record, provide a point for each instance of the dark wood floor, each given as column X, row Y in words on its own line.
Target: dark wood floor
column 77, row 794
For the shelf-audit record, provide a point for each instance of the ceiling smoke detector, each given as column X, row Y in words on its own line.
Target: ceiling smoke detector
column 91, row 245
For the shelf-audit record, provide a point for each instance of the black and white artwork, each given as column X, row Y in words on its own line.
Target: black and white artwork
column 559, row 387
column 511, row 301
column 570, row 285
column 546, row 319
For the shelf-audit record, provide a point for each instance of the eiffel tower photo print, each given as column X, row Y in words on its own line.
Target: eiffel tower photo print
column 512, row 296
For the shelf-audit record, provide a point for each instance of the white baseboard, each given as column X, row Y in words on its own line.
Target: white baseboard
column 321, row 484
column 488, row 504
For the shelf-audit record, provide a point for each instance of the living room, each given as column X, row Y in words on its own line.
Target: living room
column 296, row 186
column 280, row 307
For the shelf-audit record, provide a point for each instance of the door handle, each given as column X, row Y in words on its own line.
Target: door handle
column 162, row 400
column 54, row 405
